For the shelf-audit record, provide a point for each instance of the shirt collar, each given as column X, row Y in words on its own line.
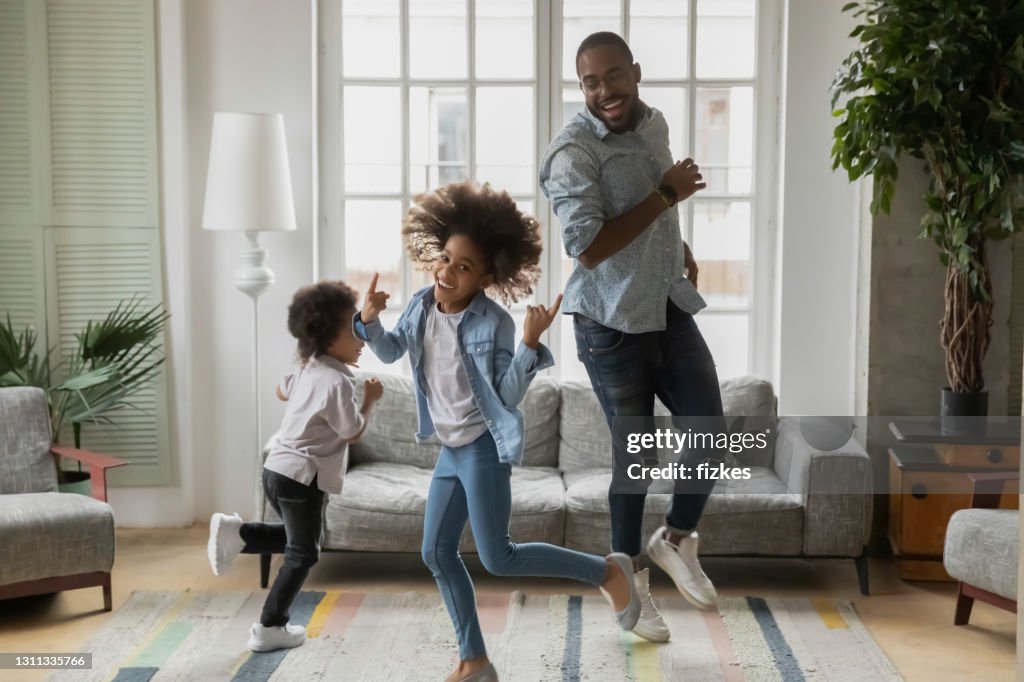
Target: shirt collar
column 334, row 363
column 601, row 130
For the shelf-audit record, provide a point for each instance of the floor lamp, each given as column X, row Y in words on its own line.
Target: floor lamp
column 249, row 189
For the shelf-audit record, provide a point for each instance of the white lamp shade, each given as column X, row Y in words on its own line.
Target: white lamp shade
column 248, row 183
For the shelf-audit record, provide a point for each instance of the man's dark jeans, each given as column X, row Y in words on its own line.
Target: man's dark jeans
column 627, row 371
column 298, row 538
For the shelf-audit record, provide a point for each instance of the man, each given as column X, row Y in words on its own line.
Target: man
column 611, row 180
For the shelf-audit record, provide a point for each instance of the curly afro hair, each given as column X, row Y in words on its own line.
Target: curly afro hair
column 317, row 315
column 509, row 239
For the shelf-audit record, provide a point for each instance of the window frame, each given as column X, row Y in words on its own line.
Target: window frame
column 329, row 241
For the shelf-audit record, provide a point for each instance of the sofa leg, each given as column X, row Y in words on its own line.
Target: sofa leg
column 862, row 573
column 108, row 600
column 963, row 607
column 264, row 570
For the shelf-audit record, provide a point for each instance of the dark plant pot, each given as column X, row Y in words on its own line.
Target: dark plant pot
column 962, row 413
column 77, row 482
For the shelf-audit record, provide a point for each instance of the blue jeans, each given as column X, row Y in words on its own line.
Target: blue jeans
column 470, row 483
column 627, row 371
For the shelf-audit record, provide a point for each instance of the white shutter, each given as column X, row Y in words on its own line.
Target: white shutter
column 102, row 107
column 90, row 270
column 17, row 201
column 21, row 281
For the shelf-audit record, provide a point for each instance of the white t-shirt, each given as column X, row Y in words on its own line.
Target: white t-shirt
column 457, row 419
column 321, row 417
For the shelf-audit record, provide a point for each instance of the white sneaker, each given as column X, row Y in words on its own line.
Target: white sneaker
column 651, row 625
column 225, row 541
column 681, row 564
column 627, row 617
column 286, row 636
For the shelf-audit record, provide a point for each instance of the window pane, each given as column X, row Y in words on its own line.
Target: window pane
column 369, row 38
column 725, row 38
column 727, row 336
column 373, row 233
column 581, row 18
column 438, row 137
column 572, row 102
column 721, row 245
column 658, row 36
column 504, row 138
column 671, row 102
column 725, row 138
column 373, row 140
column 437, row 38
column 504, row 39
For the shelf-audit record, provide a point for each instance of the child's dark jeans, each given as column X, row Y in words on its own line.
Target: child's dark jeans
column 298, row 538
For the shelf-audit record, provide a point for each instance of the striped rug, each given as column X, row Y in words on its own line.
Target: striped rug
column 407, row 636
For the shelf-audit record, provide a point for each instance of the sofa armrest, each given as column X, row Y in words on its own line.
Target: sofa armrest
column 835, row 488
column 98, row 464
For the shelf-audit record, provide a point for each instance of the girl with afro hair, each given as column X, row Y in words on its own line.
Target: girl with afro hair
column 470, row 379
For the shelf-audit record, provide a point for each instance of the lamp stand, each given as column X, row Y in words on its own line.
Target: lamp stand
column 252, row 278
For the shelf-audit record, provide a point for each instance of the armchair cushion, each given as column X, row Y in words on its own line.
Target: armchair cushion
column 26, row 465
column 981, row 549
column 45, row 535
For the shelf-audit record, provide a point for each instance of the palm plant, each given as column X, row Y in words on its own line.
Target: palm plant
column 114, row 360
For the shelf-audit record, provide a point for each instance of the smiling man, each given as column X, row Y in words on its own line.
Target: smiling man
column 614, row 186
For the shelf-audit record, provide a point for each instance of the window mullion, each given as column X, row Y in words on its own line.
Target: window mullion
column 403, row 23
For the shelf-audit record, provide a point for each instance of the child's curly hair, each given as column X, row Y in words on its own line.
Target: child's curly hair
column 318, row 313
column 509, row 238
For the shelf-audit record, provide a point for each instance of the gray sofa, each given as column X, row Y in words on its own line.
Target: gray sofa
column 799, row 502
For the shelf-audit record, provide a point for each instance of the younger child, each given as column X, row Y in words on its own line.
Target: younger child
column 470, row 379
column 308, row 459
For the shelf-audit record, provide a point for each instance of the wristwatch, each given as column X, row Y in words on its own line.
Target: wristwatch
column 668, row 194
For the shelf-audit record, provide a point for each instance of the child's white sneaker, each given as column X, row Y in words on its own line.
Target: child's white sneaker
column 225, row 541
column 286, row 636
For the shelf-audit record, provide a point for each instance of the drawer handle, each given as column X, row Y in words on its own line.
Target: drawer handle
column 994, row 455
column 919, row 491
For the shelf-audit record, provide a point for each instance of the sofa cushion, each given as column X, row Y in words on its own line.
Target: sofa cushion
column 382, row 504
column 390, row 435
column 981, row 549
column 755, row 516
column 586, row 440
column 46, row 535
column 26, row 465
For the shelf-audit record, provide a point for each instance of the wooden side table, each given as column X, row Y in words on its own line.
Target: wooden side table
column 928, row 482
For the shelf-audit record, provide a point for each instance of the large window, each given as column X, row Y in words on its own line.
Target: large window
column 418, row 93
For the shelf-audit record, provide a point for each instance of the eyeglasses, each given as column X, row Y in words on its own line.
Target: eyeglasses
column 617, row 79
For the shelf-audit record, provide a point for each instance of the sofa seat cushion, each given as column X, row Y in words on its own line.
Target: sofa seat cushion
column 381, row 508
column 755, row 516
column 981, row 549
column 46, row 535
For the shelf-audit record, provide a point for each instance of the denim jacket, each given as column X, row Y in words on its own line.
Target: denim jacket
column 497, row 376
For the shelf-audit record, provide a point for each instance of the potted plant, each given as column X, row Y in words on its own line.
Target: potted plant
column 114, row 359
column 942, row 82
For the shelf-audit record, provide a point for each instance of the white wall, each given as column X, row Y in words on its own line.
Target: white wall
column 819, row 222
column 257, row 55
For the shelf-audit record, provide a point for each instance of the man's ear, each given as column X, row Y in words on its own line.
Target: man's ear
column 636, row 73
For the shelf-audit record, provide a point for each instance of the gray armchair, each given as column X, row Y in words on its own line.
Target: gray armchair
column 49, row 541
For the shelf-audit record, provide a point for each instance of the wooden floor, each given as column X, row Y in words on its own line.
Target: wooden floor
column 913, row 622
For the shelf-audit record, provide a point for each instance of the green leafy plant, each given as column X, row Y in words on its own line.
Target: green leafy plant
column 942, row 81
column 114, row 359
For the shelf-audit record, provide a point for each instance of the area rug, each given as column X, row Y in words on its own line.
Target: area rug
column 407, row 636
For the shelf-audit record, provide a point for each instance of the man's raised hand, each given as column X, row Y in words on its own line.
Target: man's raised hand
column 376, row 301
column 684, row 177
column 538, row 319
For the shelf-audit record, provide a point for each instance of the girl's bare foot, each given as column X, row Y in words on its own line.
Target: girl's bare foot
column 616, row 585
column 467, row 668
